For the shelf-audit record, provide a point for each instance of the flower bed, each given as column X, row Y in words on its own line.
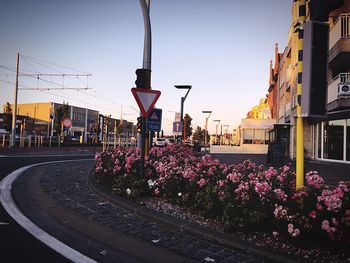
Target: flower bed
column 241, row 196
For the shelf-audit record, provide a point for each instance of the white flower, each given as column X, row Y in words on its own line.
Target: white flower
column 150, row 183
column 179, row 194
column 128, row 191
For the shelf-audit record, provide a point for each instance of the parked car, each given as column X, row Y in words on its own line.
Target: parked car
column 71, row 139
column 160, row 142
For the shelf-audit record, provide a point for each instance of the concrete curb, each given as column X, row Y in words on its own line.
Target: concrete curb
column 9, row 205
column 192, row 229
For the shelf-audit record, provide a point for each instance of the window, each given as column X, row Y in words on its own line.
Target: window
column 333, row 140
column 259, row 136
column 248, row 136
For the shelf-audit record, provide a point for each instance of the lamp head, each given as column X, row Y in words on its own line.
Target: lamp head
column 183, row 86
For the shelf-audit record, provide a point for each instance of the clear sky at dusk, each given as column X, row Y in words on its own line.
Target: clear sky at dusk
column 222, row 48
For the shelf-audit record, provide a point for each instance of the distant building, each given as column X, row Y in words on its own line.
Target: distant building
column 261, row 111
column 43, row 115
column 272, row 96
column 253, row 134
column 119, row 130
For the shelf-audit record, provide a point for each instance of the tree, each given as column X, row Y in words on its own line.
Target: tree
column 7, row 124
column 198, row 135
column 61, row 112
column 188, row 125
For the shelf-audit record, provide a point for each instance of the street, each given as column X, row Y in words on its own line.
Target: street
column 16, row 244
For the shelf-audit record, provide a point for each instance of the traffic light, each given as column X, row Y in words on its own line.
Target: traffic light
column 143, row 78
column 139, row 124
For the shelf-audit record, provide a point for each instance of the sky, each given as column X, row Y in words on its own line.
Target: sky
column 222, row 48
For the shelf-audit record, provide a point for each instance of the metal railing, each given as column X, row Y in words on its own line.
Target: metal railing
column 340, row 29
column 333, row 85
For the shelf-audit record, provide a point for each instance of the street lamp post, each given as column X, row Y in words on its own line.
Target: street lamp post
column 226, row 128
column 216, row 131
column 206, row 128
column 188, row 87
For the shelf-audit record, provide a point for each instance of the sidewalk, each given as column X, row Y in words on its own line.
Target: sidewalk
column 109, row 229
column 331, row 172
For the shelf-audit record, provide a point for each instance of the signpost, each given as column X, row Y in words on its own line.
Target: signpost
column 177, row 128
column 146, row 99
column 154, row 121
column 67, row 122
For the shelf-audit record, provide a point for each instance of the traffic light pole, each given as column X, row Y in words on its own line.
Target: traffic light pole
column 145, row 141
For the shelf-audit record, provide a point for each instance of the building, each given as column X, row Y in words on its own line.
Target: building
column 253, row 134
column 118, row 131
column 272, row 96
column 325, row 96
column 261, row 111
column 43, row 115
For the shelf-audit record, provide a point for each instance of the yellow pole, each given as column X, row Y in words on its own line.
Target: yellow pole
column 300, row 124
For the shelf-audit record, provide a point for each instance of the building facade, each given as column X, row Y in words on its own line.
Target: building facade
column 325, row 106
column 43, row 115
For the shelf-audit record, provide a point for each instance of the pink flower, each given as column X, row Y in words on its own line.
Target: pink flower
column 156, row 191
column 221, row 183
column 313, row 214
column 262, row 188
column 202, row 182
column 293, row 232
column 281, row 195
column 234, row 177
column 331, row 199
column 314, row 180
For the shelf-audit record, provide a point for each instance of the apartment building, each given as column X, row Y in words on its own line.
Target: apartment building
column 326, row 78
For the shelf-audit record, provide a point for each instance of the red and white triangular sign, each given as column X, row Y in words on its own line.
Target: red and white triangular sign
column 146, row 99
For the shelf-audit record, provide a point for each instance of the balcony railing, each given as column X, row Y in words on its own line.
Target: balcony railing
column 340, row 30
column 333, row 86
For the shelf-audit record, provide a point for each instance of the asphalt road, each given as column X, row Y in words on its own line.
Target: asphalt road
column 17, row 245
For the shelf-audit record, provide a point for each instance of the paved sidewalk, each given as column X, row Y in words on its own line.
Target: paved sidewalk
column 60, row 199
column 331, row 172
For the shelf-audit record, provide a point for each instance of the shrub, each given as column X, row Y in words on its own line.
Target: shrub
column 240, row 196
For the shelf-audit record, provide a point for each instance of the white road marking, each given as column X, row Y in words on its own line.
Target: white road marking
column 3, row 223
column 11, row 208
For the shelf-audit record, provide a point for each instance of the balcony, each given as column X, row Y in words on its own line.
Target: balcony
column 336, row 101
column 339, row 42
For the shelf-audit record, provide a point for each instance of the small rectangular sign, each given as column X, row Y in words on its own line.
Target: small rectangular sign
column 177, row 128
column 154, row 120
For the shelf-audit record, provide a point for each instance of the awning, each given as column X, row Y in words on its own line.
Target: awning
column 256, row 126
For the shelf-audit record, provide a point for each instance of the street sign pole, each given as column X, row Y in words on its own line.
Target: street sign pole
column 146, row 99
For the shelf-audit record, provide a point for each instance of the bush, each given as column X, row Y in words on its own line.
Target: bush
column 240, row 196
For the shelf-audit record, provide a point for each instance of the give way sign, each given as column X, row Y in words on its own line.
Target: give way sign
column 146, row 99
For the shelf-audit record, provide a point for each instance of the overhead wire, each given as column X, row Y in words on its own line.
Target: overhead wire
column 57, row 65
column 29, row 60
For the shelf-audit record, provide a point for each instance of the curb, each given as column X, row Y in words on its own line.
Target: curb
column 181, row 225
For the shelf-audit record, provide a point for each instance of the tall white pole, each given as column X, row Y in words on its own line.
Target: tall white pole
column 147, row 46
column 14, row 115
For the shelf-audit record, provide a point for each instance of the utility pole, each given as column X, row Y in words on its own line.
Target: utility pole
column 14, row 116
column 300, row 122
column 36, row 75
